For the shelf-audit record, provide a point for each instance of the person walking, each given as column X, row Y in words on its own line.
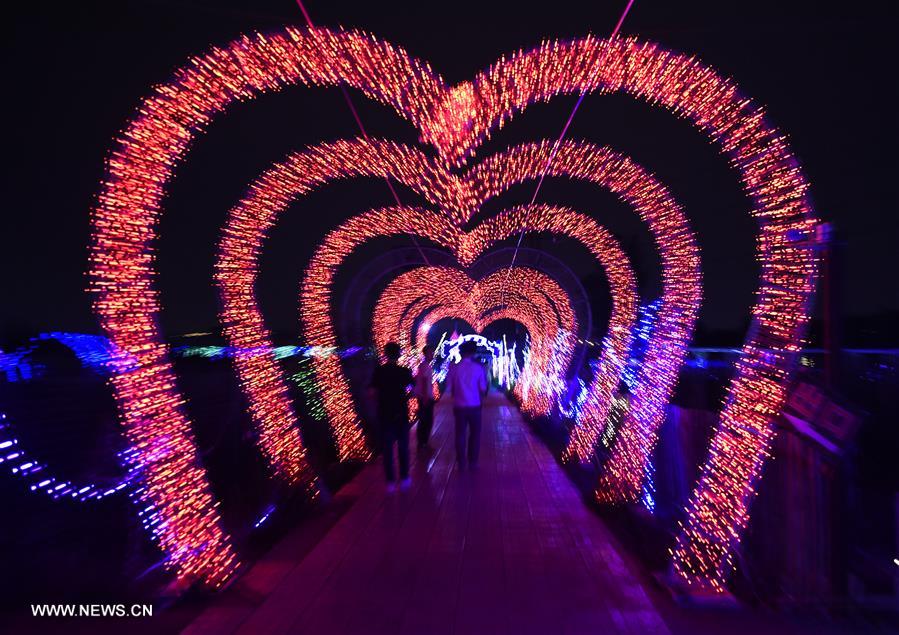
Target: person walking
column 391, row 383
column 467, row 382
column 424, row 393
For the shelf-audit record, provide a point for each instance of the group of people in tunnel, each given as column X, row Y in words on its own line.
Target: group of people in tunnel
column 394, row 385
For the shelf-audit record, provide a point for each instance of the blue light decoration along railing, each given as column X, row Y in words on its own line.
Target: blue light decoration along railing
column 568, row 407
column 648, row 493
column 266, row 514
column 643, row 330
column 39, row 478
column 572, row 404
column 98, row 354
column 278, row 352
column 15, row 366
column 94, row 352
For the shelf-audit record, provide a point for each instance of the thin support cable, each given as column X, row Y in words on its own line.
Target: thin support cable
column 552, row 155
column 352, row 107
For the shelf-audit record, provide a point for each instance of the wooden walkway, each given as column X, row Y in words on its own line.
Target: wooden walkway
column 508, row 549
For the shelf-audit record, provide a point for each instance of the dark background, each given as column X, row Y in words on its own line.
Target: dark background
column 74, row 74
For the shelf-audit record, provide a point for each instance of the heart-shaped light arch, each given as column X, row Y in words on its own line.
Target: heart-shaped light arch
column 525, row 294
column 143, row 161
column 316, row 294
column 495, row 293
column 404, row 300
column 521, row 309
column 454, row 294
column 272, row 193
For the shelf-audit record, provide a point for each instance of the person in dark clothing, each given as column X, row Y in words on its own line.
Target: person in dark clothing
column 391, row 383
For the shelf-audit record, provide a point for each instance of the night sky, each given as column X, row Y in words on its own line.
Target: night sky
column 75, row 73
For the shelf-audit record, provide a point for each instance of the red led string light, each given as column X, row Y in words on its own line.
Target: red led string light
column 175, row 489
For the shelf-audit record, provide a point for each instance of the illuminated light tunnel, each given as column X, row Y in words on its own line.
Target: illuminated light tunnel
column 454, row 121
column 286, row 181
column 530, row 296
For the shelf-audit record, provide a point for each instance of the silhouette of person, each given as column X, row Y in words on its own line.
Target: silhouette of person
column 391, row 383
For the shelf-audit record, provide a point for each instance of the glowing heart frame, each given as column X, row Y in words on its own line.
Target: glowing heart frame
column 176, row 492
column 283, row 183
column 466, row 246
column 542, row 347
column 523, row 294
column 431, row 289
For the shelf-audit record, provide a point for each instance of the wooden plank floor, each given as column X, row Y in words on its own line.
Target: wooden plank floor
column 508, row 549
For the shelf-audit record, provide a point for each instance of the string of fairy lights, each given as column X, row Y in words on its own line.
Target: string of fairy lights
column 177, row 503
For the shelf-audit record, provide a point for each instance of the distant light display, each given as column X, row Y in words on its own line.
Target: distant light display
column 533, row 372
column 449, row 348
column 434, row 293
column 455, row 120
column 504, row 367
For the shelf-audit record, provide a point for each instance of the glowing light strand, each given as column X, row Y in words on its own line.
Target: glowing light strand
column 14, row 457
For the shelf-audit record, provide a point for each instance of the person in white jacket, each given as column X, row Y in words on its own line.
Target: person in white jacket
column 467, row 383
